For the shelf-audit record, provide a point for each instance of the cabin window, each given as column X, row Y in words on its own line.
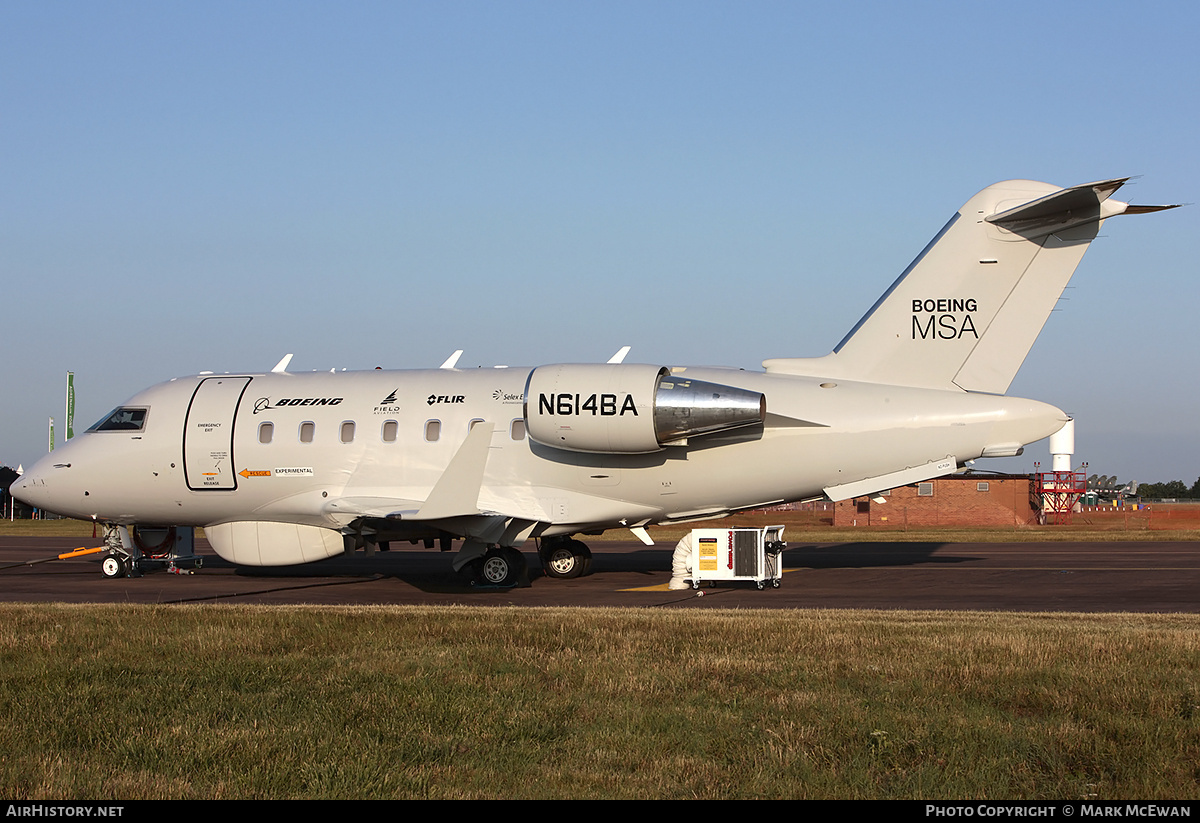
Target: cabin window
column 474, row 423
column 306, row 432
column 348, row 431
column 390, row 428
column 265, row 432
column 433, row 430
column 924, row 490
column 516, row 429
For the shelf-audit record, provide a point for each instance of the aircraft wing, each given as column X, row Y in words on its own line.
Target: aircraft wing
column 460, row 495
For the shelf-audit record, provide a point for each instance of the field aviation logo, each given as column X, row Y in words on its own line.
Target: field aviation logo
column 388, row 404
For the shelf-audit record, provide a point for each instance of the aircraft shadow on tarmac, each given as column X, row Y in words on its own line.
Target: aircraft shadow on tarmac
column 431, row 572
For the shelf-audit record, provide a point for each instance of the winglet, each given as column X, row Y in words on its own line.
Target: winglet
column 457, row 490
column 452, row 360
column 281, row 366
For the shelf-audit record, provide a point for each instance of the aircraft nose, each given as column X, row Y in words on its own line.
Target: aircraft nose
column 29, row 488
column 34, row 487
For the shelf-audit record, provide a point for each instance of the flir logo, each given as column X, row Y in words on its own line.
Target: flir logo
column 434, row 399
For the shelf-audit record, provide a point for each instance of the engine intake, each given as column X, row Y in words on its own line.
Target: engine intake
column 614, row 408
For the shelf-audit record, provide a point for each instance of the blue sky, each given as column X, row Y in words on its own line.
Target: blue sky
column 209, row 186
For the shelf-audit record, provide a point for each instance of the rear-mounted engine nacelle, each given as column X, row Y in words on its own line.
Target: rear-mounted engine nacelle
column 629, row 409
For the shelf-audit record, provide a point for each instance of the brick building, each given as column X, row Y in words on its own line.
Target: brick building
column 958, row 500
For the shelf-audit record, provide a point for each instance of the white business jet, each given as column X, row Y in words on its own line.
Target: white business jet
column 284, row 468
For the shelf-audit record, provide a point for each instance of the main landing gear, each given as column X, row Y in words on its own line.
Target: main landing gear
column 503, row 566
column 491, row 566
column 562, row 558
column 565, row 558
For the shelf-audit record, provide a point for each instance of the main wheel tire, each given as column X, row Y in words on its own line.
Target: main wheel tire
column 500, row 567
column 518, row 561
column 563, row 563
column 567, row 559
column 472, row 571
column 112, row 567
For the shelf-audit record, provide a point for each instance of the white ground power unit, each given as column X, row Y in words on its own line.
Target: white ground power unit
column 737, row 554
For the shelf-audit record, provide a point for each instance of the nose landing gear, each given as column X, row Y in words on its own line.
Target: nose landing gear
column 133, row 551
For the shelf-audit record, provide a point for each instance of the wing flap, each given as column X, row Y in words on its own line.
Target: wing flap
column 904, row 477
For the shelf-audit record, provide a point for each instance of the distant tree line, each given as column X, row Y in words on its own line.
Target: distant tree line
column 7, row 476
column 1173, row 488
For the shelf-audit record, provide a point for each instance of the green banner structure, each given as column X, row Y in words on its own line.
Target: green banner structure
column 51, row 434
column 70, row 405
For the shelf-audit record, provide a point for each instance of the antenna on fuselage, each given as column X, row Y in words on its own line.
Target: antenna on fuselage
column 619, row 357
column 281, row 366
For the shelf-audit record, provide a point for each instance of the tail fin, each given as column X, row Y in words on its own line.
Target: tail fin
column 966, row 312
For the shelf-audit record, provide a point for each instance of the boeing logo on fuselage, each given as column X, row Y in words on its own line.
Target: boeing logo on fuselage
column 264, row 403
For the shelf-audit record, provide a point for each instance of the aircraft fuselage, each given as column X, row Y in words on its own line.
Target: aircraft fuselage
column 200, row 457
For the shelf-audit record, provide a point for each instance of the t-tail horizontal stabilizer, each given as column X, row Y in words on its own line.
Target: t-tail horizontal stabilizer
column 966, row 312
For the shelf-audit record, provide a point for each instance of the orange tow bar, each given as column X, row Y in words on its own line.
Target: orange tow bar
column 80, row 552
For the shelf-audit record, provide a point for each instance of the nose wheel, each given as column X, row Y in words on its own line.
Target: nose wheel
column 113, row 567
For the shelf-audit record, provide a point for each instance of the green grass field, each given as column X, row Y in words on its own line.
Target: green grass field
column 127, row 702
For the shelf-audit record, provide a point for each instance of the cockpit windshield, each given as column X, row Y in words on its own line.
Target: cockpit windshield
column 122, row 418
